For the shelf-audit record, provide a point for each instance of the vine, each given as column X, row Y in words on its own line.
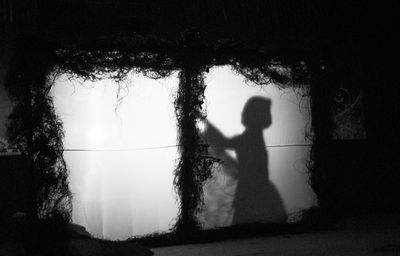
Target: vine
column 34, row 126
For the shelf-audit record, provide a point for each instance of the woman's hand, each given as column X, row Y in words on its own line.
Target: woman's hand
column 212, row 135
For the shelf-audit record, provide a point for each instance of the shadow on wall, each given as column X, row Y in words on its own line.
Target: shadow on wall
column 247, row 195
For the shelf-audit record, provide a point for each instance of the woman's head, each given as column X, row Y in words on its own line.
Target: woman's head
column 256, row 113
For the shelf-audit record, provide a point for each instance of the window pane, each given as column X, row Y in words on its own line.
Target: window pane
column 120, row 154
column 255, row 183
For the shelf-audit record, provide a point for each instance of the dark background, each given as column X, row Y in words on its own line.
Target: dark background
column 358, row 37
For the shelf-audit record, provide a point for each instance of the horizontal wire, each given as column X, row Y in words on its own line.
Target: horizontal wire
column 121, row 149
column 163, row 147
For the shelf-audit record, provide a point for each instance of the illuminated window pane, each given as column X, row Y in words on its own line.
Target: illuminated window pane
column 120, row 156
column 277, row 187
column 123, row 184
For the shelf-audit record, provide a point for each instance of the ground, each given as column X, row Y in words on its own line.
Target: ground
column 376, row 235
column 362, row 235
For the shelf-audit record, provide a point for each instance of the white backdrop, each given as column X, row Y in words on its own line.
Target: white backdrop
column 287, row 145
column 121, row 159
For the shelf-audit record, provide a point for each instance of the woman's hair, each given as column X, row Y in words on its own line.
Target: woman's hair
column 257, row 113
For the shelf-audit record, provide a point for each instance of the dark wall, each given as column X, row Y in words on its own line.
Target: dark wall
column 15, row 189
column 357, row 37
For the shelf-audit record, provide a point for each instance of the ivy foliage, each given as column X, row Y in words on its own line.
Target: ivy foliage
column 35, row 128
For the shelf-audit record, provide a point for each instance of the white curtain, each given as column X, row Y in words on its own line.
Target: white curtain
column 121, row 154
column 287, row 150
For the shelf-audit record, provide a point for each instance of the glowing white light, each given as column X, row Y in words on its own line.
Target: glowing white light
column 122, row 186
column 120, row 193
column 226, row 95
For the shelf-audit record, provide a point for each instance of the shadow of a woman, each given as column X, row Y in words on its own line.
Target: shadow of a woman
column 256, row 197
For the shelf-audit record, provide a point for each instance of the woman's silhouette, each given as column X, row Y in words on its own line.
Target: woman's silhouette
column 256, row 198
